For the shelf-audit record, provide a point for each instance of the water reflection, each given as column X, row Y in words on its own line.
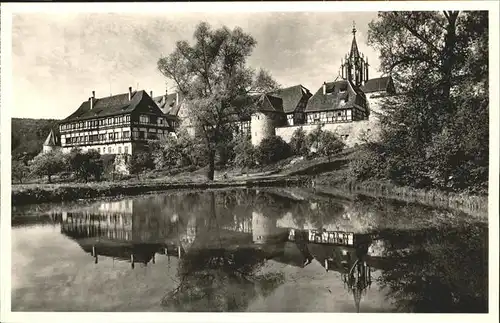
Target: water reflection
column 224, row 240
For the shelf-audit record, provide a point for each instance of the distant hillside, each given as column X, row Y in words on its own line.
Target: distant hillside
column 28, row 135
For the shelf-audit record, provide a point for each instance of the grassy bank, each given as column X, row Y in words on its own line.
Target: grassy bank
column 50, row 193
column 470, row 204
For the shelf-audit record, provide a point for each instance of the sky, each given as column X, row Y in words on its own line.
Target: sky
column 59, row 59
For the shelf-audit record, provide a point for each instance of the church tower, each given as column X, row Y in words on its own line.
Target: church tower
column 354, row 67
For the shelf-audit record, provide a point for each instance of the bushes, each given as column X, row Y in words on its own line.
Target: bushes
column 298, row 143
column 48, row 164
column 245, row 153
column 323, row 143
column 85, row 165
column 272, row 149
column 140, row 162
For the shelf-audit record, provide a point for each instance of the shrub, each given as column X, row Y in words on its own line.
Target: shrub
column 48, row 164
column 324, row 143
column 85, row 165
column 19, row 170
column 140, row 162
column 329, row 144
column 273, row 149
column 245, row 152
column 298, row 143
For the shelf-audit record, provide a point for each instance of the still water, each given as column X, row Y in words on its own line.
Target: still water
column 272, row 250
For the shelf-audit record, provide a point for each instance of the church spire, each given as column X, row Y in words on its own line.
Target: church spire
column 354, row 46
column 355, row 68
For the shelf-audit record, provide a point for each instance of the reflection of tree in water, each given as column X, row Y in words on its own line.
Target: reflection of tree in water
column 438, row 270
column 219, row 278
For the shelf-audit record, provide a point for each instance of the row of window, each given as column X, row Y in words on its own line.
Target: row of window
column 112, row 136
column 96, row 123
column 111, row 150
column 143, row 119
column 329, row 116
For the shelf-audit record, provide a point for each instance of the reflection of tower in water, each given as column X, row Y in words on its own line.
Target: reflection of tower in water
column 357, row 279
column 265, row 229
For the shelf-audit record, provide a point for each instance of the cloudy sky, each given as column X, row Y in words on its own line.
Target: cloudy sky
column 58, row 59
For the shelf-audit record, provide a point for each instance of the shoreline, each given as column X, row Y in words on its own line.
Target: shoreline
column 63, row 192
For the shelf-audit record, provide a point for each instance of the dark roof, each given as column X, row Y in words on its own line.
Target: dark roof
column 52, row 139
column 379, row 84
column 292, row 96
column 115, row 105
column 354, row 48
column 167, row 104
column 270, row 103
column 335, row 92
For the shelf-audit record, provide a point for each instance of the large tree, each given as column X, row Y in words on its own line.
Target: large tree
column 211, row 74
column 436, row 133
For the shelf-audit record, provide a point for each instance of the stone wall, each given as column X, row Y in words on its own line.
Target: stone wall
column 350, row 132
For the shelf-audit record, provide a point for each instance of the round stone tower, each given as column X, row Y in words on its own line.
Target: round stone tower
column 262, row 126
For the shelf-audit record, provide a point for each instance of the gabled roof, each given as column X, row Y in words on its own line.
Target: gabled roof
column 270, row 103
column 292, row 96
column 167, row 104
column 115, row 105
column 335, row 92
column 52, row 139
column 379, row 84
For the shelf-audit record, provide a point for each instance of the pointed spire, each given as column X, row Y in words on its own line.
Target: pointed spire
column 354, row 46
column 51, row 139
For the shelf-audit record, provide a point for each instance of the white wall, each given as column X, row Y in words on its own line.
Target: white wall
column 354, row 130
column 261, row 126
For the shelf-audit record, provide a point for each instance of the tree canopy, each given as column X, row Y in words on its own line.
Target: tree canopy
column 436, row 133
column 211, row 74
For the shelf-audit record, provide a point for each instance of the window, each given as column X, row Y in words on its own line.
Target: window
column 144, row 119
column 142, row 134
column 98, row 150
column 126, row 149
column 126, row 134
column 110, row 121
column 119, row 150
column 127, row 118
column 117, row 135
column 110, row 136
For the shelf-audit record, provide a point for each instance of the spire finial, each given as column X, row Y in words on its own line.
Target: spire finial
column 354, row 28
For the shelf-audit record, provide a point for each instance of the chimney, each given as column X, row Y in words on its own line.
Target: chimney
column 151, row 94
column 91, row 99
column 324, row 88
column 177, row 98
column 130, row 93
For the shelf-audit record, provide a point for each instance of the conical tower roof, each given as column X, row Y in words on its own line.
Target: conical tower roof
column 354, row 45
column 51, row 139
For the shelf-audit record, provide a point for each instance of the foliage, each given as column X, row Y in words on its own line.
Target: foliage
column 323, row 143
column 108, row 164
column 48, row 164
column 211, row 74
column 19, row 171
column 272, row 149
column 329, row 144
column 436, row 134
column 85, row 165
column 245, row 152
column 28, row 135
column 298, row 142
column 140, row 162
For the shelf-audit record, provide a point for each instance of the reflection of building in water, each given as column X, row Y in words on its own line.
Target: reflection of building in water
column 350, row 262
column 119, row 230
column 265, row 229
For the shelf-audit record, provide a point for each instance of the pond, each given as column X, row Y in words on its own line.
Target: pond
column 269, row 250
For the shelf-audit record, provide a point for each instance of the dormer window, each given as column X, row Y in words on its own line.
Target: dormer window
column 342, row 90
column 342, row 102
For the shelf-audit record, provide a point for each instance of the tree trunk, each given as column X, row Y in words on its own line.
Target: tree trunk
column 211, row 166
column 50, row 181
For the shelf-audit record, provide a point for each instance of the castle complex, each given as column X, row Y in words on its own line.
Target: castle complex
column 122, row 124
